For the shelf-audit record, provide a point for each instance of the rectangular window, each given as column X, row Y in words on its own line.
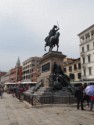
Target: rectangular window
column 33, row 64
column 92, row 34
column 72, row 76
column 87, row 47
column 64, row 69
column 79, row 75
column 70, row 68
column 75, row 67
column 79, row 65
column 33, row 60
column 83, row 59
column 90, row 72
column 84, row 72
column 82, row 49
column 89, row 59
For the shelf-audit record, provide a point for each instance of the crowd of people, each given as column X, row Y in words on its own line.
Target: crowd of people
column 17, row 90
column 82, row 97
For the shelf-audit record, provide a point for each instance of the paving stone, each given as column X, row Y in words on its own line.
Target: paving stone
column 13, row 112
column 14, row 123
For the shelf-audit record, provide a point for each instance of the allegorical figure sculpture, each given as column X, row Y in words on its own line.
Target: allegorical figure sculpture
column 53, row 38
column 60, row 79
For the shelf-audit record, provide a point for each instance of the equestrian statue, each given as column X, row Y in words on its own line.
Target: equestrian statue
column 52, row 39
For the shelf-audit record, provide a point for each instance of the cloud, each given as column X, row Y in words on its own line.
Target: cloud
column 24, row 24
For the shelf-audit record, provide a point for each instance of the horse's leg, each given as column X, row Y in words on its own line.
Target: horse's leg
column 44, row 48
column 57, row 47
column 50, row 49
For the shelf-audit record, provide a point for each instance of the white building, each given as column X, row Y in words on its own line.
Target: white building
column 27, row 68
column 87, row 53
column 72, row 68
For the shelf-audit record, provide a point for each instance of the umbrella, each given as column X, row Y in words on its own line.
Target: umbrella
column 89, row 90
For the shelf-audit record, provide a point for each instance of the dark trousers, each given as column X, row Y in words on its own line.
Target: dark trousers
column 87, row 99
column 91, row 106
column 79, row 101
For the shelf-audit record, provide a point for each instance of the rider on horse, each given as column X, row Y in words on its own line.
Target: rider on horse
column 51, row 33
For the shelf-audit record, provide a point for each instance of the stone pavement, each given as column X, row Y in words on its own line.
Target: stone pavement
column 14, row 112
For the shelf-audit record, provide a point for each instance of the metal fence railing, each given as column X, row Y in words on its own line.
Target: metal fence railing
column 39, row 100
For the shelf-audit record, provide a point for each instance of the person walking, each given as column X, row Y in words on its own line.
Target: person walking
column 13, row 91
column 92, row 102
column 1, row 92
column 85, row 96
column 79, row 95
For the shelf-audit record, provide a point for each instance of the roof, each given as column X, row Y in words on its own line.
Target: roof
column 12, row 83
column 86, row 30
column 9, row 83
column 27, row 82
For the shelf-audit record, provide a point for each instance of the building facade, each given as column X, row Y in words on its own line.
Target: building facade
column 2, row 74
column 12, row 75
column 72, row 68
column 35, row 73
column 16, row 73
column 87, row 53
column 28, row 71
column 7, row 77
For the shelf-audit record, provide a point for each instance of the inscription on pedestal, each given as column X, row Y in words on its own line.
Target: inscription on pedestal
column 46, row 67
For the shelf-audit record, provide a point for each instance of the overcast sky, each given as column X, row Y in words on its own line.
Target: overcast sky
column 24, row 24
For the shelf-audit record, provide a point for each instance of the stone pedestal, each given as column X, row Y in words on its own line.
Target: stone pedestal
column 47, row 63
column 45, row 94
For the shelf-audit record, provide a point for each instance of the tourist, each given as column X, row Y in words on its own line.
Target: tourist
column 79, row 95
column 13, row 91
column 85, row 96
column 1, row 91
column 92, row 102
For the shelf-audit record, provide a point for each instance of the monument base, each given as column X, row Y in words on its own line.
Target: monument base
column 47, row 63
column 46, row 94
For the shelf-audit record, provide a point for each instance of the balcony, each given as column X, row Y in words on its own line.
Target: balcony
column 84, row 65
column 84, row 78
column 83, row 54
column 88, row 39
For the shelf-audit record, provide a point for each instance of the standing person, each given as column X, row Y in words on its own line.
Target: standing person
column 13, row 91
column 86, row 97
column 92, row 102
column 1, row 91
column 79, row 95
column 21, row 93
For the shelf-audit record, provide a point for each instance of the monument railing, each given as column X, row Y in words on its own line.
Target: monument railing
column 53, row 100
column 41, row 100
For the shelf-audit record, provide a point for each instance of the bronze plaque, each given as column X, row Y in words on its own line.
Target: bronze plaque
column 46, row 67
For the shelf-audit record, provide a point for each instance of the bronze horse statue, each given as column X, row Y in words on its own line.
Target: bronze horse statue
column 52, row 41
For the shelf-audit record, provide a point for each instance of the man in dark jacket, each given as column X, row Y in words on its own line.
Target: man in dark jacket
column 79, row 95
